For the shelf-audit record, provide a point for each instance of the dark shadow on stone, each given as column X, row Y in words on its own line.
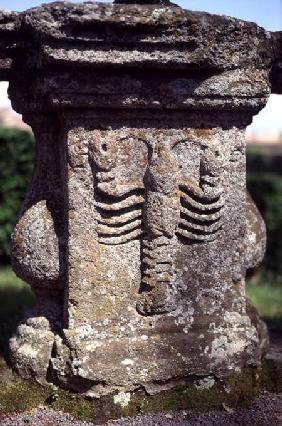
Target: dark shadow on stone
column 274, row 325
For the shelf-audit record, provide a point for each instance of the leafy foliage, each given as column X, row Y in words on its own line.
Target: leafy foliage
column 266, row 296
column 265, row 185
column 15, row 297
column 16, row 163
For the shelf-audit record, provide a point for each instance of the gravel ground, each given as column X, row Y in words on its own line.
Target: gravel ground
column 265, row 411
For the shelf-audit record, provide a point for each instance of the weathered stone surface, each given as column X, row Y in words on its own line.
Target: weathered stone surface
column 8, row 23
column 156, row 29
column 255, row 235
column 136, row 233
column 33, row 345
column 36, row 246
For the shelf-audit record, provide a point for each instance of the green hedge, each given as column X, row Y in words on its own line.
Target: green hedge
column 16, row 163
column 264, row 181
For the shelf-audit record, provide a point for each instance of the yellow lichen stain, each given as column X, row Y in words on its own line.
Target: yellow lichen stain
column 204, row 133
column 18, row 241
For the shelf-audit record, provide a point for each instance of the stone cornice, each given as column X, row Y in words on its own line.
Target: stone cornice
column 130, row 35
column 91, row 34
column 44, row 44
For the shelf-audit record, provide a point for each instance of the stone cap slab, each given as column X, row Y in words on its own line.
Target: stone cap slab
column 152, row 35
column 227, row 57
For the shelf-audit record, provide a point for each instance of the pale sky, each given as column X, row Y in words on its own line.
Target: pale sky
column 264, row 13
column 4, row 101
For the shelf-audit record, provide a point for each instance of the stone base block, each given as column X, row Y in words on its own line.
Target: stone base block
column 154, row 360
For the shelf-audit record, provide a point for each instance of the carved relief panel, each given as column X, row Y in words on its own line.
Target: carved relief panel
column 162, row 189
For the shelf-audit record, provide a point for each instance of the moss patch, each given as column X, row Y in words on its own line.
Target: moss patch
column 234, row 391
column 19, row 395
column 244, row 387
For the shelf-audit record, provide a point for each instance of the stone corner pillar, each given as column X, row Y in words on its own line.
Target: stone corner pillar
column 135, row 233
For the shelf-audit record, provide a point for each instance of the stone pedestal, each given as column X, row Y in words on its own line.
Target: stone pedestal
column 136, row 233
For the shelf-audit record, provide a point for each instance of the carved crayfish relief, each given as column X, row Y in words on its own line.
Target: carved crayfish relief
column 158, row 200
